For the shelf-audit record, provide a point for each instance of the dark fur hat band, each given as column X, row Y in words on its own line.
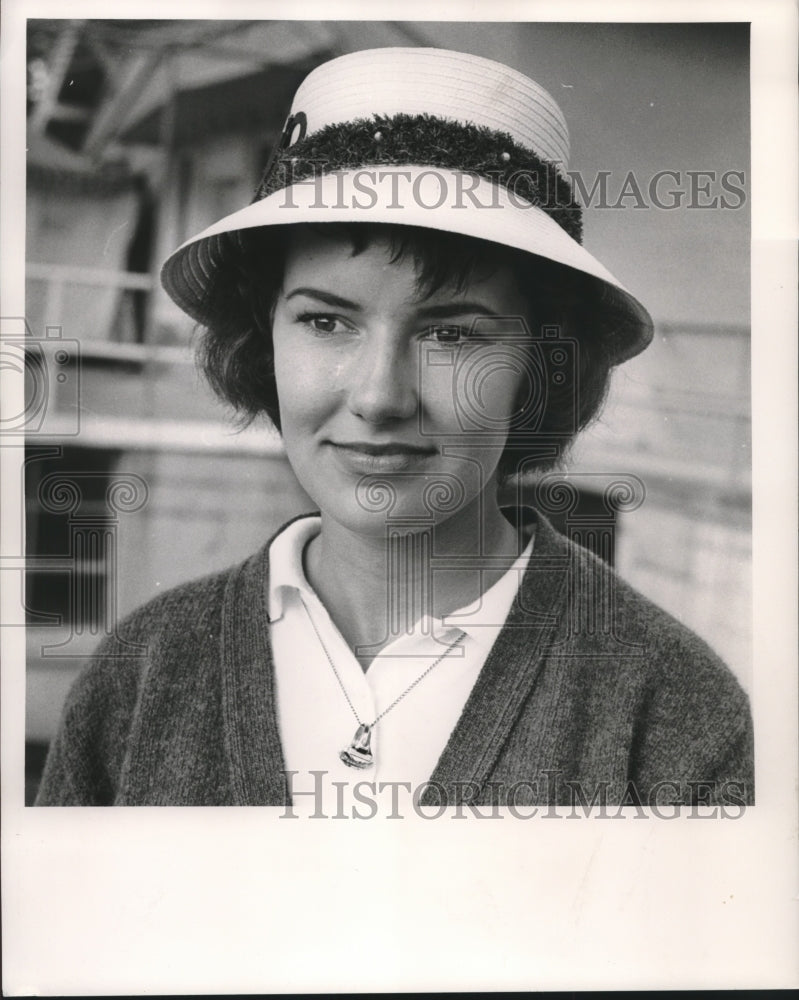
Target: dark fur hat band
column 424, row 140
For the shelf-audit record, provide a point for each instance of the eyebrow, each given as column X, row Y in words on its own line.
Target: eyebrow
column 327, row 297
column 459, row 309
column 434, row 312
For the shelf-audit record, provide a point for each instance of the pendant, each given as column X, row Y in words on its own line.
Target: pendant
column 359, row 753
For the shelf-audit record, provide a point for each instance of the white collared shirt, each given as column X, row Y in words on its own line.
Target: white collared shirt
column 317, row 723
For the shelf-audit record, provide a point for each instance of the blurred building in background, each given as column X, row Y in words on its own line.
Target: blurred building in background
column 140, row 135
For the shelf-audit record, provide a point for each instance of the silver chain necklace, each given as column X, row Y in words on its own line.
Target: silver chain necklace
column 359, row 752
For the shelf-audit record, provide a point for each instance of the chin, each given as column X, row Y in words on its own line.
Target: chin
column 379, row 510
column 381, row 506
column 414, row 499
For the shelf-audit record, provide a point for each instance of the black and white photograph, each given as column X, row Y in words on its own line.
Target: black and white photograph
column 386, row 444
column 425, row 440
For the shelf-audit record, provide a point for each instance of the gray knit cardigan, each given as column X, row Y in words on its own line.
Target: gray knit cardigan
column 590, row 693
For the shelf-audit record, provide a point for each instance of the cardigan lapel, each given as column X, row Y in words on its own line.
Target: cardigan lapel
column 509, row 673
column 249, row 693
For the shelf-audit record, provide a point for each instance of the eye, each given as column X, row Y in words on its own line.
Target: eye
column 321, row 323
column 450, row 333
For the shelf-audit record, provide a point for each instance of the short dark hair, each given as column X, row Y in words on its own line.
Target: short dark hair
column 235, row 347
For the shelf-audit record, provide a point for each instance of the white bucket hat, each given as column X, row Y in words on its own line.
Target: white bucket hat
column 429, row 138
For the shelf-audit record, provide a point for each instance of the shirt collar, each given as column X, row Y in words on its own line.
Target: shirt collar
column 481, row 620
column 285, row 562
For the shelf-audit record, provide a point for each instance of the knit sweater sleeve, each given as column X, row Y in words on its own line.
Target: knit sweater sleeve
column 168, row 645
column 86, row 757
column 694, row 726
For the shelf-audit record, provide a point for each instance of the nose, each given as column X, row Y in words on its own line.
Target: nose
column 383, row 379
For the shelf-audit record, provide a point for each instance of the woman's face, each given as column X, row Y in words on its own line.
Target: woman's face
column 393, row 405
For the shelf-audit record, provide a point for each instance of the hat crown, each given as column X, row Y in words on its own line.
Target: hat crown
column 438, row 82
column 463, row 133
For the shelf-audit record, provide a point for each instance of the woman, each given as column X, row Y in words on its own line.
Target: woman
column 408, row 301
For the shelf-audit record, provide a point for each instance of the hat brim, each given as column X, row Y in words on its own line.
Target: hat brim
column 431, row 198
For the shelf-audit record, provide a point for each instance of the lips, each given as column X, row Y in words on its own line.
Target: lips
column 383, row 448
column 384, row 456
